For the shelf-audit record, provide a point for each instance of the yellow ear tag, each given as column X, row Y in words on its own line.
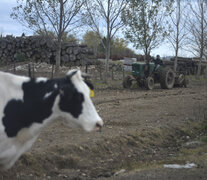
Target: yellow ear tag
column 92, row 93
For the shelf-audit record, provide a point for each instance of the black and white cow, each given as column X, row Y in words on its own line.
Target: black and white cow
column 28, row 105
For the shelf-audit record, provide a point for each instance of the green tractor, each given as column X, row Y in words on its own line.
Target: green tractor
column 147, row 74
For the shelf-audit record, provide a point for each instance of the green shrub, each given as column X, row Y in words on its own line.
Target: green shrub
column 20, row 57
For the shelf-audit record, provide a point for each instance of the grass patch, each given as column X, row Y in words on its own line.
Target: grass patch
column 111, row 84
column 204, row 139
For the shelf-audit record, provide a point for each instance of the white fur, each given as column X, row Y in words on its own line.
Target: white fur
column 41, row 79
column 47, row 95
column 10, row 87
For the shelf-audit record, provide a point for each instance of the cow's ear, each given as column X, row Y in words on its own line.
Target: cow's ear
column 71, row 73
column 85, row 75
column 76, row 73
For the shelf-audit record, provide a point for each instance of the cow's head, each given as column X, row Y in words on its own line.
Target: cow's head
column 75, row 102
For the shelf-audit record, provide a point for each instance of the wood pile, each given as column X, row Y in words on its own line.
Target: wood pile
column 39, row 49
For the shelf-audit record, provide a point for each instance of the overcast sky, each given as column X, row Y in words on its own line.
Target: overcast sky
column 8, row 26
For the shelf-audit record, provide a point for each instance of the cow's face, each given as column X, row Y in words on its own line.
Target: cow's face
column 75, row 103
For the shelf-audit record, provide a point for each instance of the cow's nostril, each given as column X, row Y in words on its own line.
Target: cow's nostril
column 99, row 126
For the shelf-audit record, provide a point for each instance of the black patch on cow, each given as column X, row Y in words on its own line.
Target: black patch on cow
column 71, row 100
column 89, row 84
column 35, row 108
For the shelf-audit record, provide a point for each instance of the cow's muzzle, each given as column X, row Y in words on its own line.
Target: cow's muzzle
column 98, row 126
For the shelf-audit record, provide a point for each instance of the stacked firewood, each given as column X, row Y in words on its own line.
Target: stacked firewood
column 39, row 49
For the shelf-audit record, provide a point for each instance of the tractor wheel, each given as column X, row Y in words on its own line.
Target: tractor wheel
column 127, row 82
column 149, row 83
column 167, row 78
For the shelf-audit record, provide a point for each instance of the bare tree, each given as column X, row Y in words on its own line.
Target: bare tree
column 205, row 21
column 1, row 32
column 104, row 17
column 49, row 15
column 197, row 27
column 145, row 23
column 177, row 37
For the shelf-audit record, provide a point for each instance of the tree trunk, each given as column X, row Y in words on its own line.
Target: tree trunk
column 107, row 61
column 33, row 69
column 147, row 53
column 202, row 41
column 29, row 70
column 147, row 60
column 177, row 36
column 176, row 60
column 52, row 73
column 123, row 72
column 108, row 45
column 112, row 73
column 199, row 68
column 101, row 77
column 60, row 33
column 205, row 72
column 57, row 59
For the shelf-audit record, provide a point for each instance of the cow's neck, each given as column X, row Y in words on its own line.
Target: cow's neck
column 36, row 128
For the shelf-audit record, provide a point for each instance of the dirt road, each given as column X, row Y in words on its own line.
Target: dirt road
column 143, row 130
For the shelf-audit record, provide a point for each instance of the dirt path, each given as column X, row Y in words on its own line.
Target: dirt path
column 141, row 128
